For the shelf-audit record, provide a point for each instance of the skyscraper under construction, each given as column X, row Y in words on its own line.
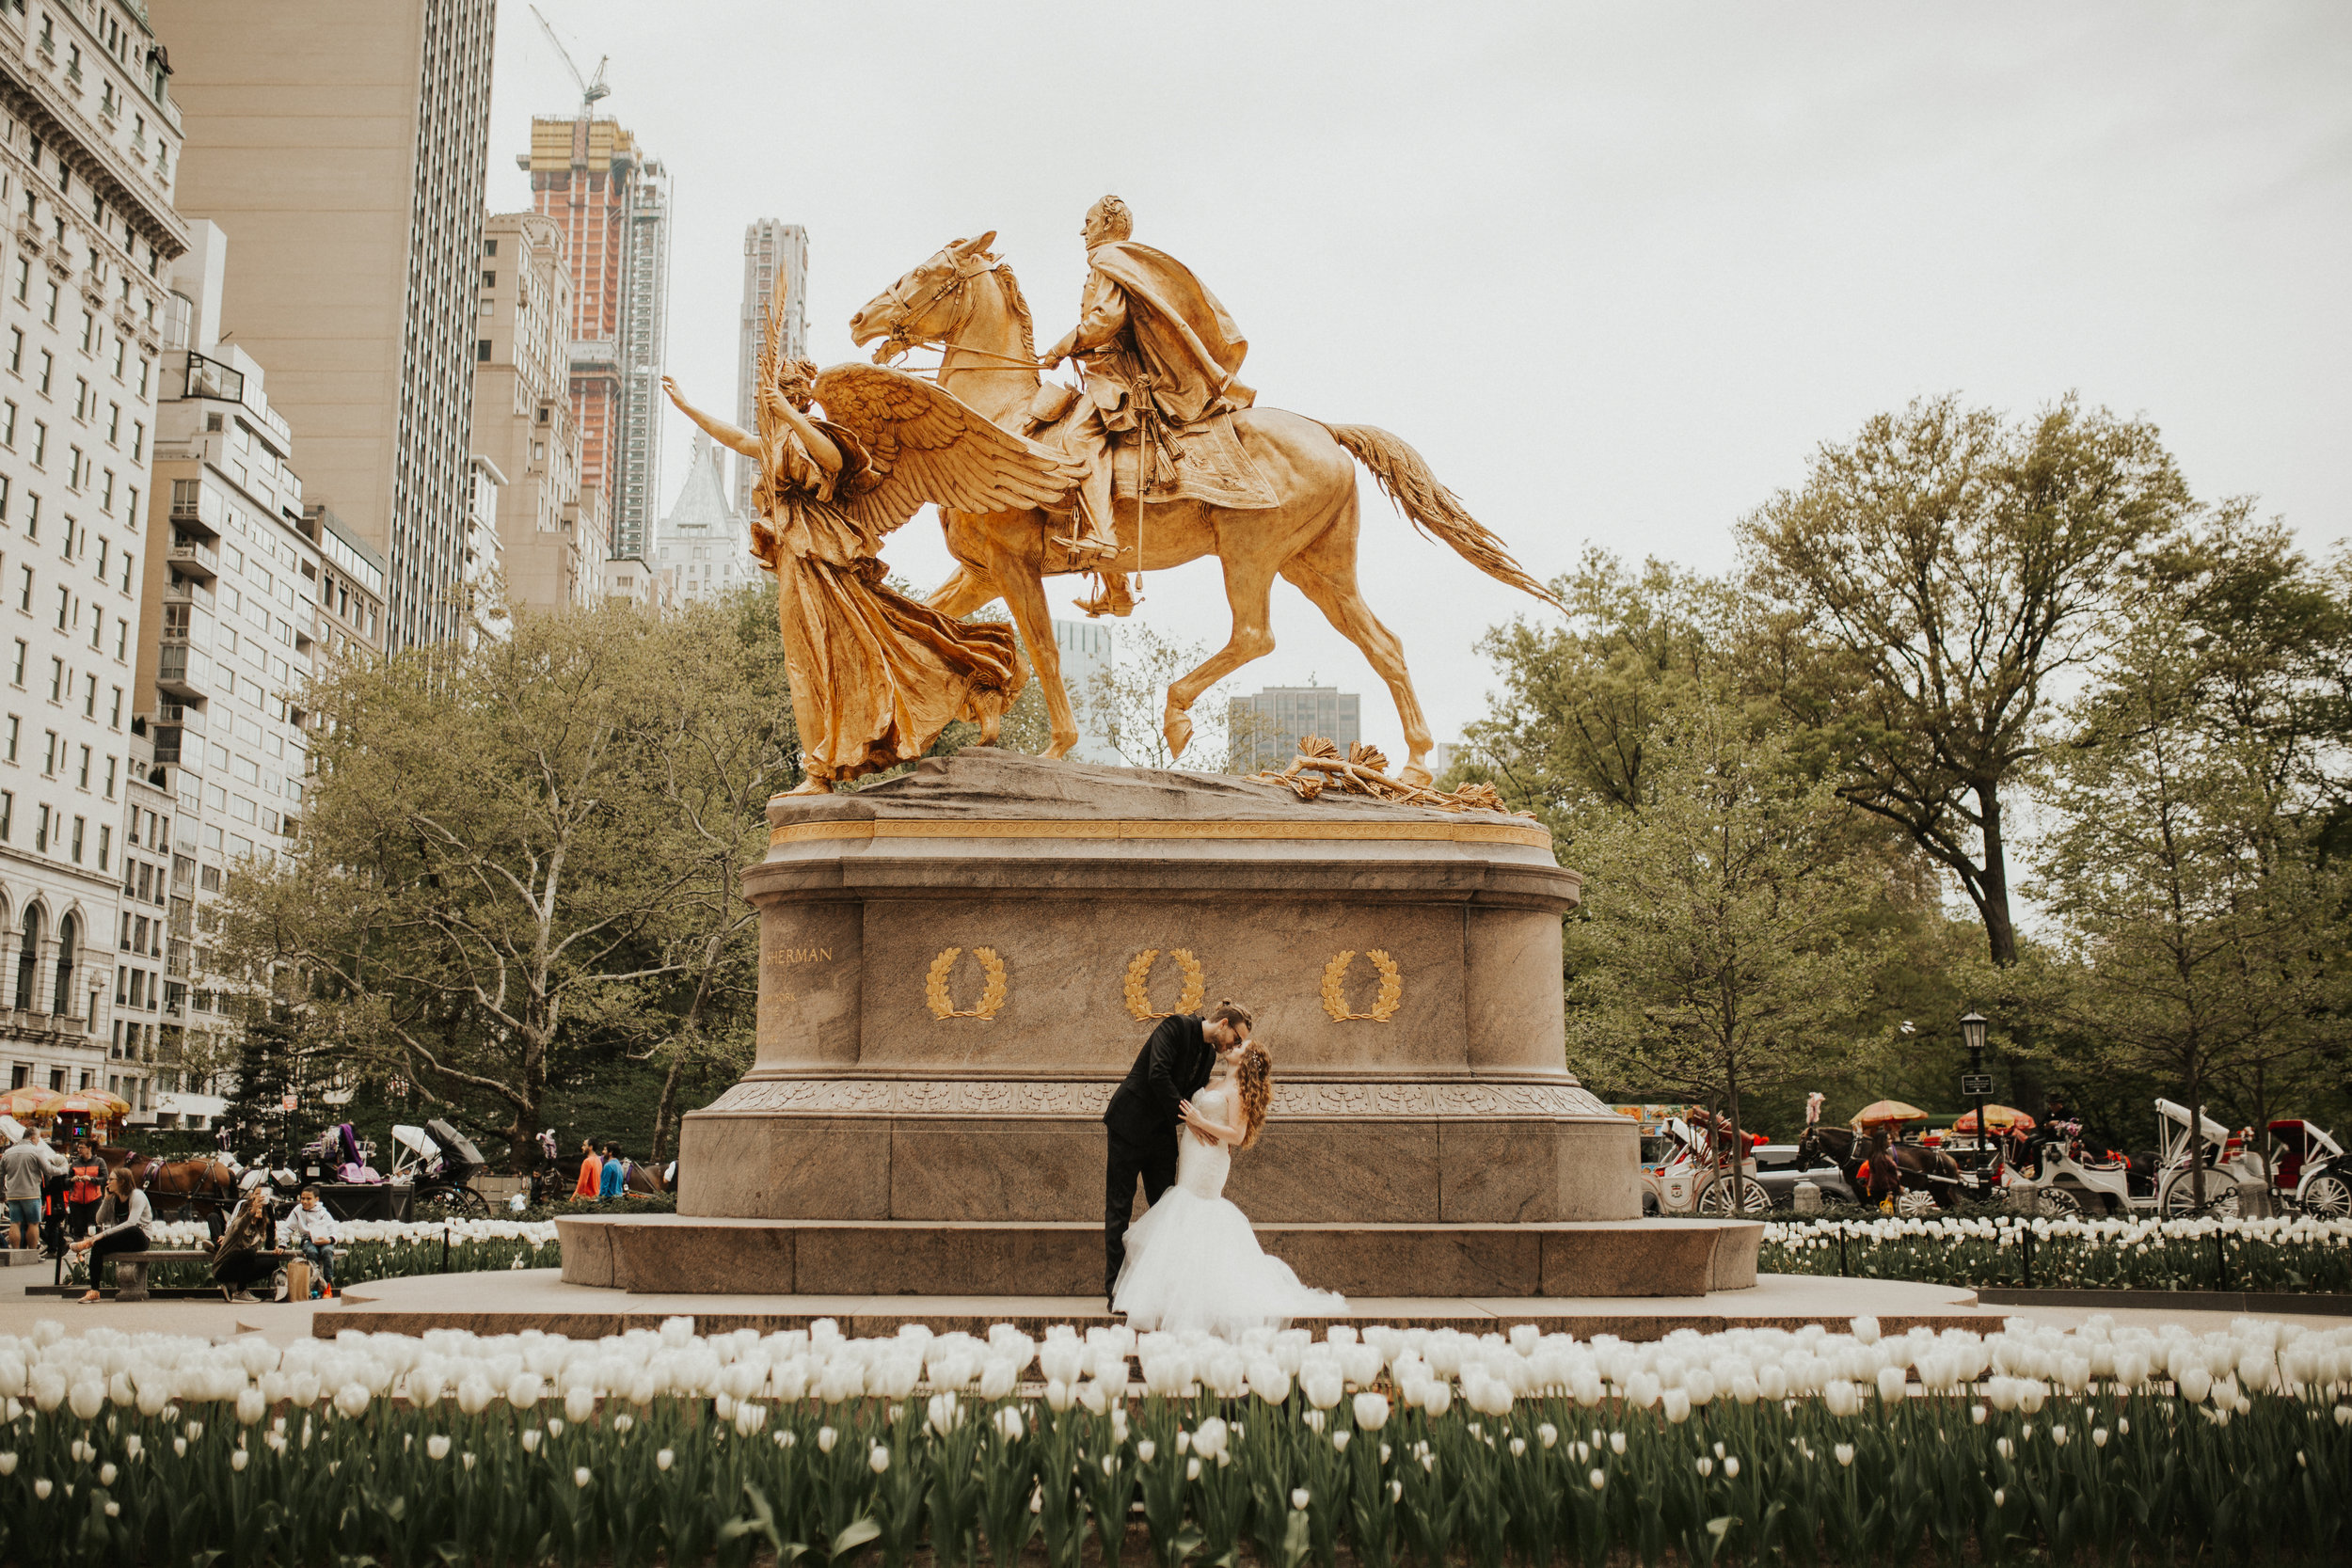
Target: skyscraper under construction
column 611, row 202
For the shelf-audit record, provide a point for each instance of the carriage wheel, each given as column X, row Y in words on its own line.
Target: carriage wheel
column 456, row 1203
column 2180, row 1196
column 2328, row 1196
column 2057, row 1203
column 1717, row 1197
column 1911, row 1201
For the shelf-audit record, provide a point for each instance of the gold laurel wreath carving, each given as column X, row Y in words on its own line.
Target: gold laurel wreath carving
column 1335, row 983
column 1139, row 976
column 992, row 995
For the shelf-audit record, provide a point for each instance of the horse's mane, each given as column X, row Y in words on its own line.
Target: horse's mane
column 1019, row 306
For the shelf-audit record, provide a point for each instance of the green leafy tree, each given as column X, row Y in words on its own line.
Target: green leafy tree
column 1712, row 955
column 1931, row 586
column 1574, row 729
column 1125, row 705
column 2203, row 929
column 525, row 851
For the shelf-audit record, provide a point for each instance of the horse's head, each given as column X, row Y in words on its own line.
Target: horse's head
column 927, row 305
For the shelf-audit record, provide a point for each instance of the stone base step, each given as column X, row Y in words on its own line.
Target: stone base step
column 678, row 1254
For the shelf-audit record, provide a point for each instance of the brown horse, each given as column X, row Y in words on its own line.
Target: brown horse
column 205, row 1182
column 966, row 302
column 1921, row 1170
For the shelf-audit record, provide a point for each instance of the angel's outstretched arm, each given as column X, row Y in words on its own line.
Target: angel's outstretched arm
column 724, row 434
column 820, row 445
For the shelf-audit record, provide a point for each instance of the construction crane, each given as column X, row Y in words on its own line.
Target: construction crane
column 589, row 90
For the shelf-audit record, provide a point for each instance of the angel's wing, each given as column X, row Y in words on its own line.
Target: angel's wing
column 928, row 445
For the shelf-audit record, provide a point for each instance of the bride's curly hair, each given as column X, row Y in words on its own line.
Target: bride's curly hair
column 1253, row 1080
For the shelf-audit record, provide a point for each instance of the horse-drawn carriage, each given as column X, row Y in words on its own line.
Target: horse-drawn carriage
column 440, row 1164
column 1687, row 1167
column 1907, row 1177
column 2061, row 1176
column 2312, row 1171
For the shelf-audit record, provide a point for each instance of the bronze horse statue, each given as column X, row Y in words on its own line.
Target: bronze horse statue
column 1917, row 1170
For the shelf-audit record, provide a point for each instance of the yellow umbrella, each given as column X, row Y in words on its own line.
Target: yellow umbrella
column 89, row 1103
column 2001, row 1118
column 30, row 1101
column 1887, row 1112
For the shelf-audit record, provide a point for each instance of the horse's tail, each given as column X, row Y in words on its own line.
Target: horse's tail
column 1434, row 509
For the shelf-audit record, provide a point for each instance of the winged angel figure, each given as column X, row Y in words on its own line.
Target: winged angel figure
column 875, row 676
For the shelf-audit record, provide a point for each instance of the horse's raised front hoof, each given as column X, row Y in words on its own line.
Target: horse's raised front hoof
column 1178, row 728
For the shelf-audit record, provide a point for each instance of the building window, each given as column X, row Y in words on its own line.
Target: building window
column 48, row 363
column 481, row 350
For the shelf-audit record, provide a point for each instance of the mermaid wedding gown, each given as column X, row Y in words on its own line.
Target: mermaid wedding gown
column 1193, row 1263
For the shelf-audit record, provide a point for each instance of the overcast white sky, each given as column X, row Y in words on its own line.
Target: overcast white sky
column 1614, row 269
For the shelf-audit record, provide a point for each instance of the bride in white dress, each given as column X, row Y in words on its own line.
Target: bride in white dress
column 1193, row 1263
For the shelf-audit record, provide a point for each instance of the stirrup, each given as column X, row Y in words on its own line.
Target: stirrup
column 1086, row 544
column 1114, row 597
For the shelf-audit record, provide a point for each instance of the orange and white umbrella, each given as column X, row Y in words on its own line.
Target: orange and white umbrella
column 88, row 1102
column 30, row 1101
column 1887, row 1112
column 2001, row 1118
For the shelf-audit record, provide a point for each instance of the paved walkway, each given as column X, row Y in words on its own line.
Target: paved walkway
column 507, row 1301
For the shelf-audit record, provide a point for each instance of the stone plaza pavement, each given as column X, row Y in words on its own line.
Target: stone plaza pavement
column 513, row 1300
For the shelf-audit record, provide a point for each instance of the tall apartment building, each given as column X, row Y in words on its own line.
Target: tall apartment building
column 610, row 203
column 554, row 549
column 1263, row 730
column 231, row 632
column 704, row 550
column 343, row 149
column 90, row 144
column 775, row 265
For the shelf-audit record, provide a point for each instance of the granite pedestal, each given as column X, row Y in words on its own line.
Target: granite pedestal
column 956, row 965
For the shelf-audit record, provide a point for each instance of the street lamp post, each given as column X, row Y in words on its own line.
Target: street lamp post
column 1979, row 1083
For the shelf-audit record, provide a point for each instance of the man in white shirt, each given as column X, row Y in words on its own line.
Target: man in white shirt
column 24, row 1168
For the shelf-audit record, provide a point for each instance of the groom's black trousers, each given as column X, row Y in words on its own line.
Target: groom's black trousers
column 1152, row 1158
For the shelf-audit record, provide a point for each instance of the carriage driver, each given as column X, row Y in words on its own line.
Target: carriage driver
column 1146, row 329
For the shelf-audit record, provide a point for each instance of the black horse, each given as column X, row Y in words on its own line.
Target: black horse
column 1918, row 1170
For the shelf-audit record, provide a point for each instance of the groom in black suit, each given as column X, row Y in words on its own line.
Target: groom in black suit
column 1147, row 1108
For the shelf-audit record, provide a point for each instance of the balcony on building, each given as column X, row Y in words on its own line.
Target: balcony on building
column 173, row 729
column 196, row 509
column 192, row 556
column 185, row 672
column 187, row 590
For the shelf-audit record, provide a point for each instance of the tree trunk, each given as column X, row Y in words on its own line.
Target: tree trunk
column 2000, row 932
column 661, row 1111
column 1731, row 1105
column 2196, row 1136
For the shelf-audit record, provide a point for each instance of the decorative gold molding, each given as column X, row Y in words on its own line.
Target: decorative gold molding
column 1383, row 1007
column 992, row 995
column 1527, row 834
column 1139, row 976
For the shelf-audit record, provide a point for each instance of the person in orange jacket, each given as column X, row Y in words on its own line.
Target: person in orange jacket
column 591, row 1169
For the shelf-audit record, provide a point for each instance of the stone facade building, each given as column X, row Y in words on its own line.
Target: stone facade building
column 524, row 424
column 89, row 147
column 704, row 550
column 356, row 251
column 230, row 636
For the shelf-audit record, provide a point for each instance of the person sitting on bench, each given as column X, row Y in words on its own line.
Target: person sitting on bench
column 240, row 1258
column 312, row 1231
column 126, row 1224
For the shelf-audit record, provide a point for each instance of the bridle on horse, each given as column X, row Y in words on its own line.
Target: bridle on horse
column 955, row 286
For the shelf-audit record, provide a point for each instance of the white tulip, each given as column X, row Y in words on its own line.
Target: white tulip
column 580, row 1403
column 1678, row 1405
column 86, row 1400
column 41, row 1487
column 826, row 1438
column 352, row 1401
column 1008, row 1422
column 878, row 1460
column 1371, row 1411
column 437, row 1446
column 525, row 1390
column 1845, row 1453
column 1300, row 1497
column 663, row 1459
column 239, row 1458
column 1208, row 1441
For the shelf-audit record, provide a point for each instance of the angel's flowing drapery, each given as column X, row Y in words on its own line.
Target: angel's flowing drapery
column 875, row 676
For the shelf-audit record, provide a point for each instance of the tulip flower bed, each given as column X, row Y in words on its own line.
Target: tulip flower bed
column 2296, row 1253
column 2031, row 1444
column 383, row 1249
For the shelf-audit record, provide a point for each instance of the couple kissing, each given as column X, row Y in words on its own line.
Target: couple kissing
column 1198, row 1090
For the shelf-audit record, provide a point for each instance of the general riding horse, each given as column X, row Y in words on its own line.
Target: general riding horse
column 1917, row 1170
column 965, row 302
